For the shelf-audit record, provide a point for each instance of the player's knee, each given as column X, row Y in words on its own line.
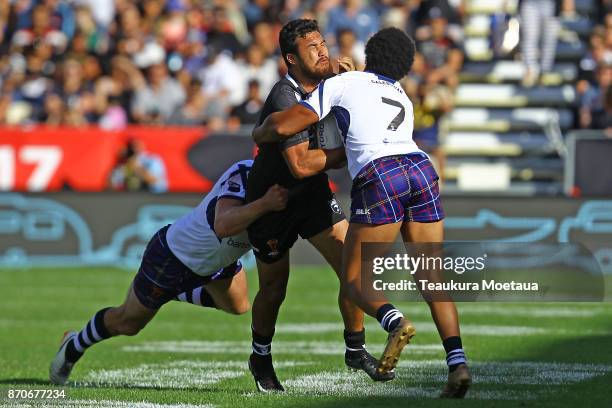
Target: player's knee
column 240, row 307
column 351, row 291
column 273, row 293
column 278, row 295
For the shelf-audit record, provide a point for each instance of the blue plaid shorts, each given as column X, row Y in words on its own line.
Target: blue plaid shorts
column 396, row 188
column 162, row 276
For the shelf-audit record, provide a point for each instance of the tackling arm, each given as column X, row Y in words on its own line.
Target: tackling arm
column 303, row 162
column 232, row 216
column 284, row 124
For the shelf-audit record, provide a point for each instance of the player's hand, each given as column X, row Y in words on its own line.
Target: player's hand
column 276, row 198
column 345, row 64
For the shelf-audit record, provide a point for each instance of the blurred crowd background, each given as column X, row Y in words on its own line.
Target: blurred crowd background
column 188, row 62
column 111, row 63
column 193, row 62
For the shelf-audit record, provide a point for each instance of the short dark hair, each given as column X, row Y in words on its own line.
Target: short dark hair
column 291, row 32
column 390, row 52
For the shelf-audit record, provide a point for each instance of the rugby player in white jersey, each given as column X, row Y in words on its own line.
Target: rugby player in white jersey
column 395, row 187
column 198, row 253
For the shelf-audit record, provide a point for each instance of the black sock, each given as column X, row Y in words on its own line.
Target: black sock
column 455, row 356
column 93, row 332
column 388, row 317
column 354, row 341
column 262, row 345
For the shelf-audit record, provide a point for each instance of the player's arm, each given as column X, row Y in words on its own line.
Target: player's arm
column 303, row 162
column 232, row 216
column 284, row 124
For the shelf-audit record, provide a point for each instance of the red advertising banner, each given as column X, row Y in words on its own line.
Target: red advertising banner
column 52, row 159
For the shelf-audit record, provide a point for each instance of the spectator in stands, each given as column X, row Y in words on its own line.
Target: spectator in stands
column 447, row 9
column 31, row 87
column 258, row 67
column 353, row 14
column 429, row 105
column 41, row 29
column 348, row 46
column 54, row 110
column 77, row 95
column 197, row 110
column 539, row 22
column 137, row 170
column 222, row 35
column 247, row 112
column 158, row 97
column 95, row 39
column 114, row 117
column 102, row 11
column 443, row 57
column 265, row 38
column 595, row 55
column 257, row 11
column 222, row 78
column 130, row 36
column 173, row 28
column 119, row 87
column 595, row 112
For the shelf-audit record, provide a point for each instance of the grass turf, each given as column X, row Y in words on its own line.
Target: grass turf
column 521, row 354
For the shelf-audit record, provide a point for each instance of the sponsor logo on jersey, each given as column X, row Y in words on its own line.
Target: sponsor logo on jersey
column 233, row 187
column 237, row 244
column 273, row 245
column 333, row 204
column 361, row 211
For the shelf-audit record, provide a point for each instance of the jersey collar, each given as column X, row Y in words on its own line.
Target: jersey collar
column 384, row 78
column 298, row 87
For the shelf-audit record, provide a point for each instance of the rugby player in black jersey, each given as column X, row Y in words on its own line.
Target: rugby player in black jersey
column 312, row 212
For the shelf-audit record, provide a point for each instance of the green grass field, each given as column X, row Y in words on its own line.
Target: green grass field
column 527, row 355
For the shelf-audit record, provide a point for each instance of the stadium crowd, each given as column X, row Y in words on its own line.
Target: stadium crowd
column 190, row 62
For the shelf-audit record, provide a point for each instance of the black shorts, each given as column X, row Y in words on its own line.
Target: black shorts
column 162, row 276
column 311, row 209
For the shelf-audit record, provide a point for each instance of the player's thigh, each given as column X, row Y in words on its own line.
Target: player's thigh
column 425, row 238
column 383, row 235
column 423, row 231
column 230, row 295
column 330, row 243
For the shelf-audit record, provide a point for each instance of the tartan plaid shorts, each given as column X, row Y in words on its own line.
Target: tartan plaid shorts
column 396, row 188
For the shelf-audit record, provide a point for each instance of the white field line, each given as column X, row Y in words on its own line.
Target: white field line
column 489, row 309
column 335, row 383
column 430, row 327
column 542, row 311
column 278, row 347
column 80, row 403
column 420, row 375
column 519, row 373
column 415, row 378
column 176, row 374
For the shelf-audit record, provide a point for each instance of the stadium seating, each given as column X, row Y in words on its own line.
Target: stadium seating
column 497, row 123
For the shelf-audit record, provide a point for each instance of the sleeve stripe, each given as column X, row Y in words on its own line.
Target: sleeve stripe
column 235, row 197
column 321, row 85
column 307, row 105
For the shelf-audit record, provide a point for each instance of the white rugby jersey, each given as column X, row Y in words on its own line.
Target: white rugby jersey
column 373, row 113
column 192, row 238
